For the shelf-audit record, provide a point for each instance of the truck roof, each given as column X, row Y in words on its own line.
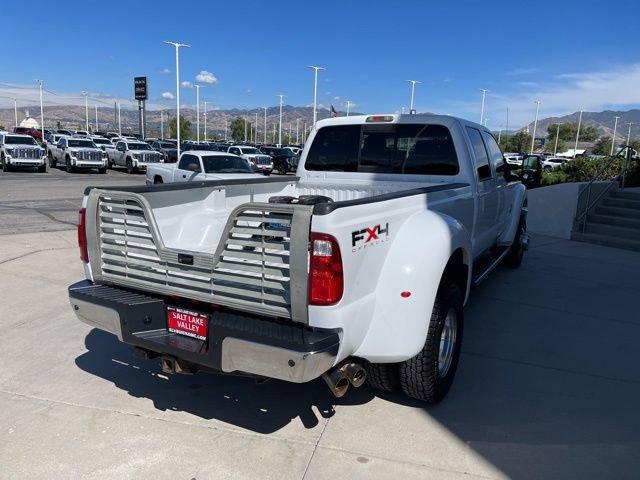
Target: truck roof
column 394, row 118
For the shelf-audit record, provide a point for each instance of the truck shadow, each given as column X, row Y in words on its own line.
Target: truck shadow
column 263, row 407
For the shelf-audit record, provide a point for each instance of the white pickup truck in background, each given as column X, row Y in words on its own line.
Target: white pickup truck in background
column 358, row 268
column 134, row 155
column 263, row 162
column 77, row 153
column 21, row 151
column 201, row 165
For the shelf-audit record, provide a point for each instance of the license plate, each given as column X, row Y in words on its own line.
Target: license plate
column 187, row 322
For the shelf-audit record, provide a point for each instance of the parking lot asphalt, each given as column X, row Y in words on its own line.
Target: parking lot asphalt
column 547, row 386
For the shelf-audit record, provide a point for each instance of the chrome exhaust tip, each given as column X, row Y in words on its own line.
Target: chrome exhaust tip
column 168, row 365
column 354, row 373
column 338, row 383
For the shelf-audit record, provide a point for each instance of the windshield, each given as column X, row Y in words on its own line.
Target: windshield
column 101, row 141
column 166, row 145
column 81, row 143
column 282, row 151
column 250, row 150
column 225, row 164
column 139, row 146
column 19, row 140
column 384, row 148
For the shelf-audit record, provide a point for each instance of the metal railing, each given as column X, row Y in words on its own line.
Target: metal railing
column 583, row 209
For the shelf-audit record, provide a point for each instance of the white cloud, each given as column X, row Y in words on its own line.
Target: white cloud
column 336, row 98
column 165, row 71
column 168, row 96
column 206, row 77
column 186, row 84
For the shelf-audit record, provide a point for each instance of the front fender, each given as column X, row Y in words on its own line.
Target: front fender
column 418, row 257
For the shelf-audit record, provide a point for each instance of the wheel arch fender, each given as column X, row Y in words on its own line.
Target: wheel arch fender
column 519, row 207
column 408, row 283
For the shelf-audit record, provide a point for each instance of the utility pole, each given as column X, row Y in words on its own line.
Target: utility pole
column 245, row 129
column 86, row 111
column 205, row 121
column 577, row 133
column 499, row 134
column 15, row 111
column 197, row 112
column 40, row 82
column 535, row 125
column 265, row 125
column 629, row 133
column 555, row 149
column 273, row 135
column 177, row 47
column 315, row 92
column 484, row 94
column 413, row 91
column 96, row 118
column 161, row 125
column 507, row 127
column 255, row 135
column 280, row 122
column 613, row 139
column 348, row 107
column 297, row 131
column 119, row 120
column 225, row 127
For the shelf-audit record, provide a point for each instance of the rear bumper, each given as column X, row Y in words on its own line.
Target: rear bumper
column 236, row 342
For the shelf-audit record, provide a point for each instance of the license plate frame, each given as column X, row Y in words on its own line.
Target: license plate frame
column 188, row 323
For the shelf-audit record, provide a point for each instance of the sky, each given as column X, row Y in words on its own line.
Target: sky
column 566, row 54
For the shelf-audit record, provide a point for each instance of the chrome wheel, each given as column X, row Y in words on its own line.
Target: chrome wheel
column 447, row 342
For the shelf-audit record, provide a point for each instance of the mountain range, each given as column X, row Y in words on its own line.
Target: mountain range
column 71, row 116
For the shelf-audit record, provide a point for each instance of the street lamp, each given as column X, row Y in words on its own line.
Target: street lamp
column 297, row 131
column 86, row 111
column 161, row 125
column 348, row 107
column 197, row 112
column 315, row 91
column 577, row 133
column 95, row 105
column 119, row 120
column 280, row 122
column 205, row 121
column 177, row 47
column 535, row 125
column 613, row 139
column 265, row 125
column 629, row 133
column 555, row 149
column 413, row 91
column 484, row 94
column 225, row 127
column 255, row 134
column 40, row 82
column 15, row 111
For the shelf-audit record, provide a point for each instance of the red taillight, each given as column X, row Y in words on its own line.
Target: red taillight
column 326, row 279
column 82, row 236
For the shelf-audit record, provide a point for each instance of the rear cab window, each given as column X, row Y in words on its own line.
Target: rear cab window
column 419, row 149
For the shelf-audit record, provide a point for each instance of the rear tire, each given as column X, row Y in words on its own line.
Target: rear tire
column 428, row 376
column 5, row 166
column 383, row 376
column 102, row 171
column 281, row 168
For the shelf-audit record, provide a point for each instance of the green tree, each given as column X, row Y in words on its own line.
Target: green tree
column 568, row 132
column 518, row 142
column 237, row 129
column 603, row 146
column 185, row 128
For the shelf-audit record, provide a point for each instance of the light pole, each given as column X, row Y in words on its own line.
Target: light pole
column 245, row 129
column 613, row 139
column 413, row 92
column 484, row 94
column 499, row 134
column 265, row 125
column 629, row 133
column 225, row 127
column 577, row 133
column 348, row 107
column 507, row 126
column 280, row 121
column 40, row 82
column 161, row 125
column 197, row 112
column 96, row 117
column 535, row 125
column 255, row 135
column 177, row 48
column 297, row 131
column 119, row 120
column 86, row 111
column 15, row 111
column 555, row 149
column 205, row 121
column 315, row 92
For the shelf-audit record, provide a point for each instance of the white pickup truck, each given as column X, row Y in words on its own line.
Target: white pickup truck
column 19, row 151
column 134, row 155
column 77, row 153
column 357, row 268
column 200, row 165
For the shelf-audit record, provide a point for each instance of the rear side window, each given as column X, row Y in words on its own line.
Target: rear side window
column 397, row 148
column 480, row 154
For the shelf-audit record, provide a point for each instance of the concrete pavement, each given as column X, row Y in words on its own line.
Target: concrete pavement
column 547, row 388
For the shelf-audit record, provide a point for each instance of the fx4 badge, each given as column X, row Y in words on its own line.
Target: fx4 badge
column 369, row 236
